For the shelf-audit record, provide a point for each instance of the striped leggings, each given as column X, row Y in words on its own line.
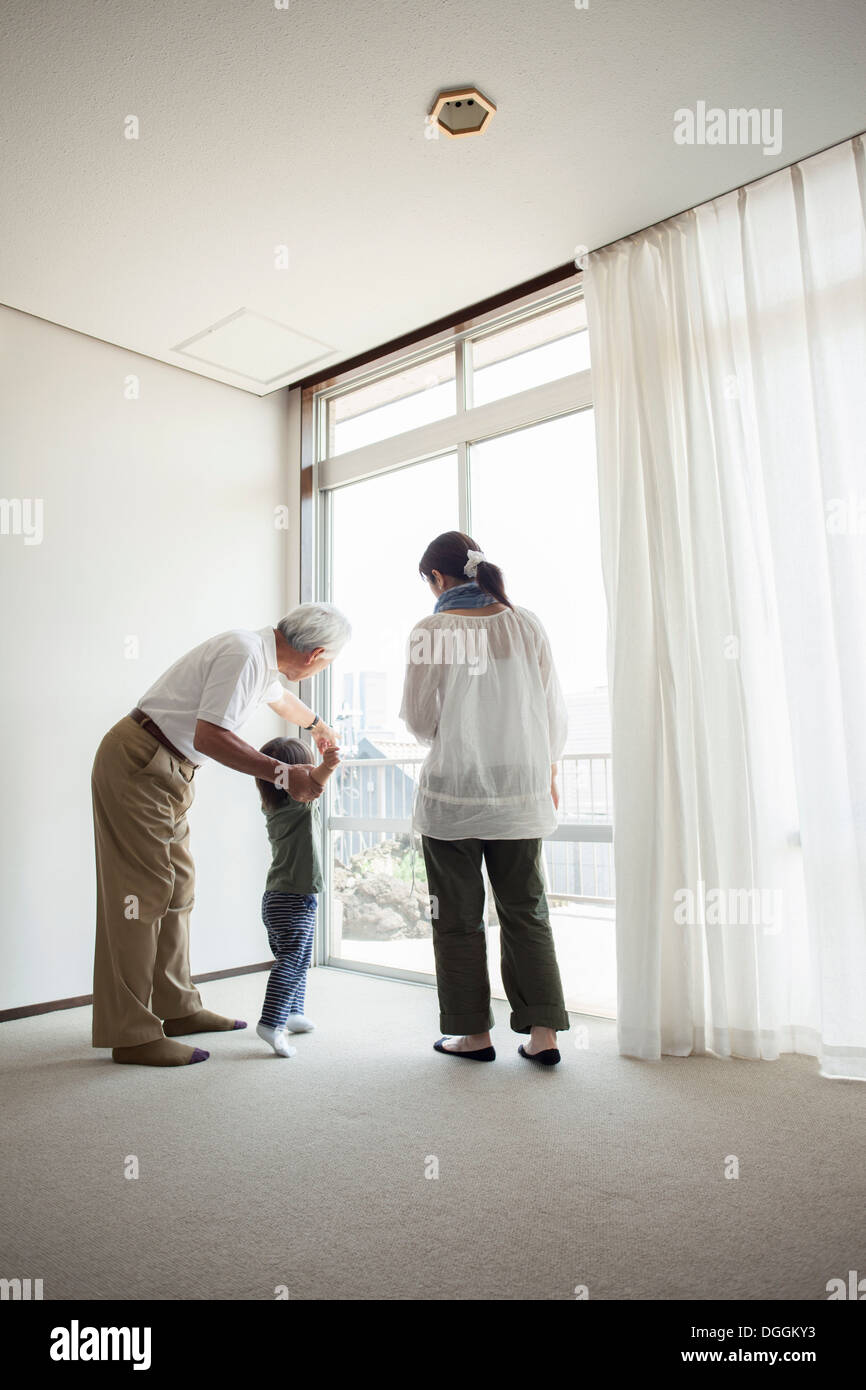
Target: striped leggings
column 290, row 919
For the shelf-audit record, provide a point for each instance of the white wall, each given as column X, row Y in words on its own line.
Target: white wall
column 158, row 525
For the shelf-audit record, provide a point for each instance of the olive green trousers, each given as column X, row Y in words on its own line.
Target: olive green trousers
column 530, row 974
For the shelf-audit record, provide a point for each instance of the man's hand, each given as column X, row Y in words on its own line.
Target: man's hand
column 330, row 758
column 325, row 738
column 300, row 783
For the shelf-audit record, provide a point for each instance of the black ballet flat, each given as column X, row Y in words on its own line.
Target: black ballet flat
column 549, row 1058
column 482, row 1054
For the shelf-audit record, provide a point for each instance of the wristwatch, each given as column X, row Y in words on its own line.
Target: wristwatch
column 316, row 721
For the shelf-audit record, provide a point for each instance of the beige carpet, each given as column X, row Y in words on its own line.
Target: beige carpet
column 257, row 1172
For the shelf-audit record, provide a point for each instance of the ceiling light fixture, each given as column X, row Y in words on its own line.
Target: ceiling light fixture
column 462, row 111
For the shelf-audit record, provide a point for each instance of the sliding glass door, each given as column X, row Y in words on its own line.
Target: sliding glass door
column 493, row 436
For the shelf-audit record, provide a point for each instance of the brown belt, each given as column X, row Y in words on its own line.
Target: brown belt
column 147, row 723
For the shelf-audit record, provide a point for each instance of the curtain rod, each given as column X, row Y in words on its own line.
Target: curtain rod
column 668, row 217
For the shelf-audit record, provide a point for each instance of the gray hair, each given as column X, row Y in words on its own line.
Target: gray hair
column 312, row 625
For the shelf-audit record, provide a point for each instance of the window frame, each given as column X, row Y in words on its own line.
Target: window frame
column 468, row 423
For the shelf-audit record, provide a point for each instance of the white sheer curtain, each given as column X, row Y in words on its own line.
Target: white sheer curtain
column 729, row 375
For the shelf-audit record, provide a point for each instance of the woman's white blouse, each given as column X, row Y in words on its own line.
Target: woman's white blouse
column 483, row 692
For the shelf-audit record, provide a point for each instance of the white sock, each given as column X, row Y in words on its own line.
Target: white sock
column 297, row 1023
column 277, row 1039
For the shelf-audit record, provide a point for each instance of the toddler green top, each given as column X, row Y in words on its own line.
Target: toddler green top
column 294, row 831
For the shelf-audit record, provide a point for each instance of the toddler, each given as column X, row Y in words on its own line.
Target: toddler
column 289, row 902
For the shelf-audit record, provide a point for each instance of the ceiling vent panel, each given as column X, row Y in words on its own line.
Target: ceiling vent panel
column 254, row 346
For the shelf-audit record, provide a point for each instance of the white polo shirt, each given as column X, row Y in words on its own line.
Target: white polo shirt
column 223, row 681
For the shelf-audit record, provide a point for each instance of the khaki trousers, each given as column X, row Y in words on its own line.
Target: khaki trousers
column 145, row 887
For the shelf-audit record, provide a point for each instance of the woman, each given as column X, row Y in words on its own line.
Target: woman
column 481, row 689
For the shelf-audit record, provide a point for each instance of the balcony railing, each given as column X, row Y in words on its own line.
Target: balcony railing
column 371, row 800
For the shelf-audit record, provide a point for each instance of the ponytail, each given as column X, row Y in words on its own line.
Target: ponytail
column 489, row 578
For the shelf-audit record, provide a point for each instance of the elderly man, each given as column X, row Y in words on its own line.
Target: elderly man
column 143, row 995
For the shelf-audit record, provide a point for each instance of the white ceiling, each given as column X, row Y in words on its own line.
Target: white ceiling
column 304, row 127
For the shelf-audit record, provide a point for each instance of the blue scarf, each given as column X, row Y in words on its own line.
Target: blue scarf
column 469, row 595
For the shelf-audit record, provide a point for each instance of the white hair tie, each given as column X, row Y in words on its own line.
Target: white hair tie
column 473, row 559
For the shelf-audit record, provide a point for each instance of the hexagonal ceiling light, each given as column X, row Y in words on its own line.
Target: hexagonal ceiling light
column 462, row 111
